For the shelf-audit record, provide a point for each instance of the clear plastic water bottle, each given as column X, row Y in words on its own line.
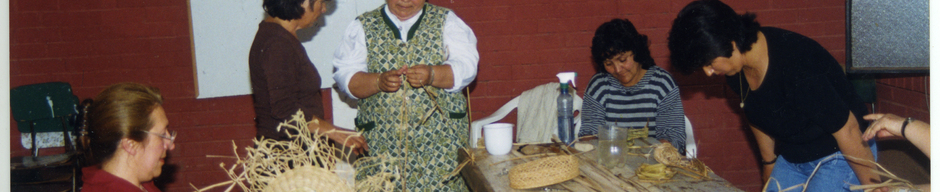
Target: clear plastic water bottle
column 565, row 108
column 565, row 116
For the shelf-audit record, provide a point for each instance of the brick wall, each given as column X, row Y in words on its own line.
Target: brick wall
column 904, row 95
column 522, row 43
column 525, row 43
column 94, row 43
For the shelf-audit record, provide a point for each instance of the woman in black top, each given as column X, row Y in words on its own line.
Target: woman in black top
column 795, row 95
column 283, row 79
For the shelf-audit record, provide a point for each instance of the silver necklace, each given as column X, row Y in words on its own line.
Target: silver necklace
column 741, row 85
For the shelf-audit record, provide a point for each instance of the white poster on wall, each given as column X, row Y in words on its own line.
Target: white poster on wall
column 222, row 32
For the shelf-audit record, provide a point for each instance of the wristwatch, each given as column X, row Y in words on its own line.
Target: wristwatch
column 909, row 120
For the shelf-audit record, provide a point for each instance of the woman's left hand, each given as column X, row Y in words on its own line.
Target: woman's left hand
column 419, row 75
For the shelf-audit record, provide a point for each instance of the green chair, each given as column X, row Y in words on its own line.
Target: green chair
column 46, row 108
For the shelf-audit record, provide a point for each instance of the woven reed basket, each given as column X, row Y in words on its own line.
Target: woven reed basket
column 307, row 178
column 543, row 172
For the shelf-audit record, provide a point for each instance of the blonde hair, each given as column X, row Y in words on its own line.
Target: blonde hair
column 120, row 111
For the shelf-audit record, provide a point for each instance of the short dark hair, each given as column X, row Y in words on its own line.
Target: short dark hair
column 618, row 36
column 704, row 30
column 285, row 9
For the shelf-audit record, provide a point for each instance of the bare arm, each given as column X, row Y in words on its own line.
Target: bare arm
column 918, row 132
column 766, row 145
column 849, row 138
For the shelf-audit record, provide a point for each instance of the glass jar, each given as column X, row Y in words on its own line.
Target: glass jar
column 611, row 145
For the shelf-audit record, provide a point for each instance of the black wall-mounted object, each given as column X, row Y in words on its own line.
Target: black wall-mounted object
column 887, row 36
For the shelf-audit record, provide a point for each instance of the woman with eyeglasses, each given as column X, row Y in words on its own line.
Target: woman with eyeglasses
column 127, row 139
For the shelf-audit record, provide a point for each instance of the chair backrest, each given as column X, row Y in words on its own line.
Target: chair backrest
column 543, row 92
column 42, row 105
column 691, row 149
column 40, row 109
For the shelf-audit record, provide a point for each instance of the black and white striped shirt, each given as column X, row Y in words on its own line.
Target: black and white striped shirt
column 655, row 99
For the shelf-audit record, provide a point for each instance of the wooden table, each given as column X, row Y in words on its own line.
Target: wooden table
column 490, row 173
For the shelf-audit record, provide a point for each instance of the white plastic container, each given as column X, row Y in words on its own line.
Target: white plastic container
column 498, row 138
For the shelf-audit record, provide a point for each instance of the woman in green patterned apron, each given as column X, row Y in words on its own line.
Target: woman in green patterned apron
column 407, row 62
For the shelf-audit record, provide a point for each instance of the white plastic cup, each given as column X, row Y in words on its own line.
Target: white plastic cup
column 498, row 138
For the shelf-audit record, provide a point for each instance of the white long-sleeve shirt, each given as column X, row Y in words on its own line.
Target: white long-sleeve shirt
column 351, row 56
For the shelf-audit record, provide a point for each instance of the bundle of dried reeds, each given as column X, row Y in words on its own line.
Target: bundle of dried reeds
column 668, row 155
column 894, row 183
column 304, row 163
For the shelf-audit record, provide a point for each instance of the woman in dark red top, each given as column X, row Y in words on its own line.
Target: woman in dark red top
column 127, row 138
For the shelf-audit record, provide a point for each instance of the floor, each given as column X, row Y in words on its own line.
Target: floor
column 904, row 160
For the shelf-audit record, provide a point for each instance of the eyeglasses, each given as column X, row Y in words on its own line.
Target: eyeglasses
column 171, row 136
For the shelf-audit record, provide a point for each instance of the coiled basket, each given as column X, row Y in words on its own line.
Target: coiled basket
column 543, row 172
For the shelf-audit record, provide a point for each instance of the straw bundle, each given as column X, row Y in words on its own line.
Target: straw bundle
column 304, row 163
column 668, row 155
column 383, row 179
column 639, row 134
column 893, row 184
column 655, row 172
column 307, row 178
column 543, row 172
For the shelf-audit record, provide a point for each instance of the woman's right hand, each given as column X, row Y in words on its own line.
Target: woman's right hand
column 349, row 139
column 390, row 81
column 884, row 125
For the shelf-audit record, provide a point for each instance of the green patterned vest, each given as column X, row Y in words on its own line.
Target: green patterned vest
column 390, row 122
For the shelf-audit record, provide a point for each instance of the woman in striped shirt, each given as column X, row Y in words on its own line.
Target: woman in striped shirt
column 629, row 90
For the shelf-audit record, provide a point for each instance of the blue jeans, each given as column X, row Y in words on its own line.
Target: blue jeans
column 833, row 175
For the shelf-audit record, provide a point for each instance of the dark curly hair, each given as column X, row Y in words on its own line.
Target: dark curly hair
column 704, row 30
column 285, row 9
column 618, row 36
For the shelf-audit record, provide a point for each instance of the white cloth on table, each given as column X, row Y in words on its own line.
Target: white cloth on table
column 538, row 113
